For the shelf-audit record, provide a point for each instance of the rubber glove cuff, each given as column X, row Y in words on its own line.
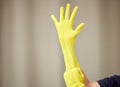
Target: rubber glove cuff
column 74, row 78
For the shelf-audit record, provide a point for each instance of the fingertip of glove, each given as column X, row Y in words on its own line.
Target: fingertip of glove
column 83, row 24
column 68, row 4
column 52, row 15
column 76, row 7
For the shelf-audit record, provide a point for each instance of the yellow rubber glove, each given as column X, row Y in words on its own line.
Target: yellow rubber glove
column 67, row 37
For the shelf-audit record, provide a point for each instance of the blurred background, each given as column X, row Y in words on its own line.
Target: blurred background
column 30, row 53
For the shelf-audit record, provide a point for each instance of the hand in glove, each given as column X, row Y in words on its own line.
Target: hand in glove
column 67, row 37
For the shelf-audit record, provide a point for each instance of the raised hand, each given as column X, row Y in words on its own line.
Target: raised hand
column 65, row 25
column 67, row 37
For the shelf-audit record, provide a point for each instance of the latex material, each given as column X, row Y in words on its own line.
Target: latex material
column 67, row 36
column 74, row 78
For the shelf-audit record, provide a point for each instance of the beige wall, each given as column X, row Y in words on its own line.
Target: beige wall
column 31, row 54
column 0, row 47
column 110, row 37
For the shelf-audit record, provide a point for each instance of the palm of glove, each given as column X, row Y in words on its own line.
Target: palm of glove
column 64, row 27
column 66, row 33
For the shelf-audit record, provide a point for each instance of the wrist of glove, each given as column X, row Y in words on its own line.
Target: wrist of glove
column 74, row 78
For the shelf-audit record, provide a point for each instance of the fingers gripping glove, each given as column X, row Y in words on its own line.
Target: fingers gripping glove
column 67, row 37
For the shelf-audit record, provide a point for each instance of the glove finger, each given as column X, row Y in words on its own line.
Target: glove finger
column 73, row 15
column 79, row 29
column 61, row 14
column 54, row 19
column 67, row 11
